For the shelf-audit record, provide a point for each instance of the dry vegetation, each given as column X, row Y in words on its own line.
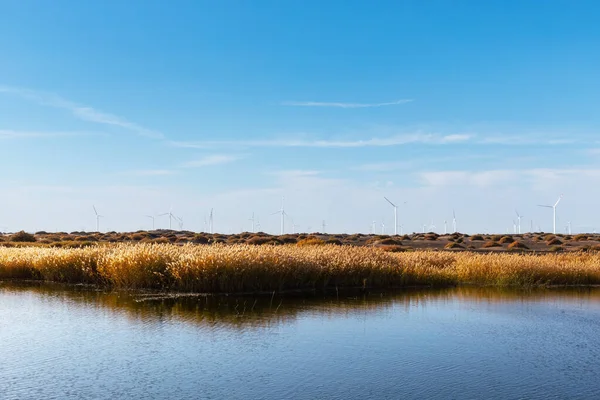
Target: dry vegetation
column 224, row 268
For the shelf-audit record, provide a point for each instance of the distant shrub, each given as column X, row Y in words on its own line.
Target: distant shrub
column 580, row 237
column 22, row 236
column 200, row 239
column 258, row 240
column 555, row 248
column 460, row 240
column 517, row 245
column 476, row 238
column 138, row 236
column 289, row 239
column 554, row 241
column 431, row 236
column 453, row 245
column 337, row 242
column 496, row 238
column 389, row 242
column 506, row 239
column 549, row 237
column 405, row 237
column 491, row 243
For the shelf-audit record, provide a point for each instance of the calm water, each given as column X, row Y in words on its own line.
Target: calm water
column 63, row 343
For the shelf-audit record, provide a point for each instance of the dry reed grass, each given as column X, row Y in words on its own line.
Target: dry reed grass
column 247, row 268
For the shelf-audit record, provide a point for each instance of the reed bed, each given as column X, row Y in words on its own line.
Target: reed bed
column 247, row 268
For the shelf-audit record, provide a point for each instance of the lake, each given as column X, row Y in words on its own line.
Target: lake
column 66, row 342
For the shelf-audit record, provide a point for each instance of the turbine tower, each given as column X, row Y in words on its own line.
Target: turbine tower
column 283, row 214
column 211, row 221
column 553, row 213
column 395, row 215
column 252, row 219
column 171, row 217
column 454, row 221
column 519, row 216
column 152, row 218
column 98, row 216
column 323, row 225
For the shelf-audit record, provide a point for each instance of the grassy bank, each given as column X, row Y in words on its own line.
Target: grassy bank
column 246, row 268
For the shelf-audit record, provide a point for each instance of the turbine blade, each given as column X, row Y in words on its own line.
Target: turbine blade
column 96, row 212
column 388, row 200
column 558, row 201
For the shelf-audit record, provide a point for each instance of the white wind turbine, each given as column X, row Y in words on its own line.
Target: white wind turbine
column 211, row 221
column 171, row 217
column 519, row 216
column 445, row 227
column 152, row 218
column 180, row 222
column 374, row 227
column 395, row 215
column 454, row 222
column 252, row 219
column 98, row 216
column 553, row 212
column 382, row 228
column 283, row 214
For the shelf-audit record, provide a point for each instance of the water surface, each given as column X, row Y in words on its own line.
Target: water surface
column 59, row 342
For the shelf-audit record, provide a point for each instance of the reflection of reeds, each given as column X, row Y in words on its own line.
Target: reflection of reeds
column 246, row 268
column 241, row 312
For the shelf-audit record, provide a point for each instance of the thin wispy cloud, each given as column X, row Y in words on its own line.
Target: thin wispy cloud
column 11, row 134
column 210, row 160
column 326, row 143
column 82, row 112
column 343, row 105
column 149, row 172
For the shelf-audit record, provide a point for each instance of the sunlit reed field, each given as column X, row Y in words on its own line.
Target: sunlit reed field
column 246, row 268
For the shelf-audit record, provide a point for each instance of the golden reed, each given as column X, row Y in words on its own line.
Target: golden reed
column 247, row 268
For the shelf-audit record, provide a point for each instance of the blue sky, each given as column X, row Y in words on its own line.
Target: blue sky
column 138, row 106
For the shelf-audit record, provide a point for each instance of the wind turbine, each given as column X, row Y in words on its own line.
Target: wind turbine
column 211, row 221
column 152, row 218
column 514, row 227
column 98, row 216
column 283, row 214
column 171, row 217
column 445, row 227
column 374, row 227
column 252, row 219
column 454, row 221
column 395, row 215
column 569, row 226
column 519, row 216
column 382, row 228
column 323, row 225
column 180, row 223
column 553, row 213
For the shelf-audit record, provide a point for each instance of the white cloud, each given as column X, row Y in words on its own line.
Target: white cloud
column 79, row 111
column 397, row 140
column 343, row 105
column 452, row 178
column 11, row 134
column 149, row 172
column 214, row 159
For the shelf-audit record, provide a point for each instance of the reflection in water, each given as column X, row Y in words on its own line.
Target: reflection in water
column 79, row 342
column 265, row 310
